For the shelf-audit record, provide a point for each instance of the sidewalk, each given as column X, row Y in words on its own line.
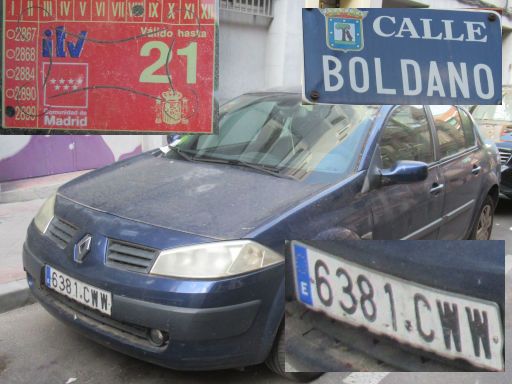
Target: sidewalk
column 19, row 203
column 34, row 188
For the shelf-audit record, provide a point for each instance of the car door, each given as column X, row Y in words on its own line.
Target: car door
column 460, row 163
column 413, row 210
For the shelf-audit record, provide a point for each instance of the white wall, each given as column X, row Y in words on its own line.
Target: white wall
column 258, row 53
column 283, row 62
column 149, row 142
column 242, row 47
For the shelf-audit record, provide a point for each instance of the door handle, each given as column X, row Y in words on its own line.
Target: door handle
column 476, row 169
column 436, row 188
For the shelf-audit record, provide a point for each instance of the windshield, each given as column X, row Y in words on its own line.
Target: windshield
column 278, row 134
column 496, row 112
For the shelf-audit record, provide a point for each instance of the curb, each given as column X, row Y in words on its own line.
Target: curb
column 15, row 294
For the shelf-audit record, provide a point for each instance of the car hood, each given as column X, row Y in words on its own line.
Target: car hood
column 213, row 200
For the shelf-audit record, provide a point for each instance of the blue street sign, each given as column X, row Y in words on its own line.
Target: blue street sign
column 401, row 56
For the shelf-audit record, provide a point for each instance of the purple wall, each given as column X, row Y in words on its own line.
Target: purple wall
column 47, row 155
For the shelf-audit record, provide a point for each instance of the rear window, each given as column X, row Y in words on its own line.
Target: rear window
column 453, row 135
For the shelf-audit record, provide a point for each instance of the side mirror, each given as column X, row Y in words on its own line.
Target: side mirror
column 404, row 171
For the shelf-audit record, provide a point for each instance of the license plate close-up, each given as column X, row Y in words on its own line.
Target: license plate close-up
column 447, row 324
column 83, row 293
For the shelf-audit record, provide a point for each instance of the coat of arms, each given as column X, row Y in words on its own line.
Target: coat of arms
column 172, row 108
column 344, row 28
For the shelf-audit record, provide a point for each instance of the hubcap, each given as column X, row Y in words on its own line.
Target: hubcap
column 483, row 231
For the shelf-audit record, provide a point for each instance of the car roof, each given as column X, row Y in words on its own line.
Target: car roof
column 297, row 91
column 276, row 90
column 284, row 91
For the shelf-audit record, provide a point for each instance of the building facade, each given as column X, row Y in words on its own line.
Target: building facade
column 265, row 51
column 260, row 45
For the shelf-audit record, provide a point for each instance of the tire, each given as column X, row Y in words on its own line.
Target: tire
column 276, row 358
column 482, row 228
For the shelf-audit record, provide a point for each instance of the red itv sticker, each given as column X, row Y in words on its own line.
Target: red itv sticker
column 110, row 65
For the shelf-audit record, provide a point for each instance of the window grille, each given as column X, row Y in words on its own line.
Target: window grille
column 250, row 7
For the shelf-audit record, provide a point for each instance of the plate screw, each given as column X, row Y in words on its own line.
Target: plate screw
column 491, row 17
column 138, row 10
column 314, row 95
column 10, row 111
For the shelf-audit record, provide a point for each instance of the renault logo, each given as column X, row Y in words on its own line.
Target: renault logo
column 82, row 248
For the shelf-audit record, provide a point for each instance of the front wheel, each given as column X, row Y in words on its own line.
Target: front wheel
column 483, row 226
column 276, row 358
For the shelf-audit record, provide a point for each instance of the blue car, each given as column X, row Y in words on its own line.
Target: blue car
column 176, row 256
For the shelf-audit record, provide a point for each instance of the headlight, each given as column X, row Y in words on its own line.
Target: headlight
column 215, row 260
column 45, row 214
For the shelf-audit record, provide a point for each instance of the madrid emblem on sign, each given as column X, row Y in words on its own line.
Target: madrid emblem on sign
column 344, row 29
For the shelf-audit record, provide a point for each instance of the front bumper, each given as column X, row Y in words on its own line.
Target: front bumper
column 221, row 337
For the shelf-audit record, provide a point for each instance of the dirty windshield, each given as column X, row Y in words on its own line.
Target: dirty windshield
column 278, row 134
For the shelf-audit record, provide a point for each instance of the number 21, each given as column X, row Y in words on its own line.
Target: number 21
column 148, row 75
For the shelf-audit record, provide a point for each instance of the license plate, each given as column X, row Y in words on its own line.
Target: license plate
column 83, row 293
column 447, row 324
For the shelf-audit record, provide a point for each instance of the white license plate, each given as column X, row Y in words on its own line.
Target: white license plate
column 85, row 294
column 447, row 324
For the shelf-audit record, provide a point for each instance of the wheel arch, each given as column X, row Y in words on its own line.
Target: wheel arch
column 494, row 192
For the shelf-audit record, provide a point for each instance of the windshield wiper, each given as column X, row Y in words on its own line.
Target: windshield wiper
column 261, row 168
column 210, row 159
column 181, row 153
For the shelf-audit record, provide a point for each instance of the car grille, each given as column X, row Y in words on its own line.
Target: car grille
column 130, row 256
column 61, row 232
column 505, row 155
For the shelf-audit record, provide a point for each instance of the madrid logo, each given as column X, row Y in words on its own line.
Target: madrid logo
column 344, row 28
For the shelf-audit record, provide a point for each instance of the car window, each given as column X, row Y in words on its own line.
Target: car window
column 406, row 136
column 453, row 136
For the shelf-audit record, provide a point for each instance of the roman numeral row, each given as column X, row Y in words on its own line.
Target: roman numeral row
column 172, row 11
